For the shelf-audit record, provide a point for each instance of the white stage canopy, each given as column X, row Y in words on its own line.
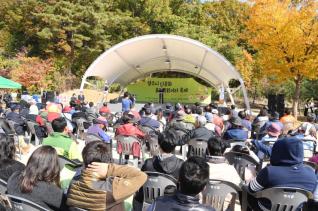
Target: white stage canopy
column 140, row 56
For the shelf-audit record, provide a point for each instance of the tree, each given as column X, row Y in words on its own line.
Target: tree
column 284, row 34
column 33, row 73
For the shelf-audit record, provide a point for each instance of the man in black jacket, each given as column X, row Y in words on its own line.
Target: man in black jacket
column 193, row 177
column 166, row 162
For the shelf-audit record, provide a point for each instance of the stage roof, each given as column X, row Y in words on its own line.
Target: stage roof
column 140, row 56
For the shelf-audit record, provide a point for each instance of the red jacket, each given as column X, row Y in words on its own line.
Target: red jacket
column 104, row 109
column 129, row 130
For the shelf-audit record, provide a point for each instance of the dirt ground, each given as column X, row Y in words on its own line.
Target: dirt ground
column 90, row 95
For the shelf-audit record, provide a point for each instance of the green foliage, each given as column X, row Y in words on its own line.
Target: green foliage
column 115, row 87
column 74, row 33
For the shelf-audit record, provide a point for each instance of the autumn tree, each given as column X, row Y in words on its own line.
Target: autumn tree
column 33, row 72
column 284, row 34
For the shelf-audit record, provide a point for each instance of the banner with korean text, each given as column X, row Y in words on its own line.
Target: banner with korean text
column 183, row 90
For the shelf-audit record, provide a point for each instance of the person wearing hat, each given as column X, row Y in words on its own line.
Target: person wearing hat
column 236, row 131
column 148, row 121
column 67, row 114
column 128, row 128
column 34, row 116
column 178, row 123
column 264, row 146
column 19, row 126
column 200, row 132
column 217, row 120
column 54, row 111
column 98, row 129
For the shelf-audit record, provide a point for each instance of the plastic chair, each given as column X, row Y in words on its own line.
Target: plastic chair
column 240, row 162
column 49, row 127
column 19, row 203
column 89, row 137
column 216, row 191
column 281, row 198
column 155, row 186
column 197, row 147
column 154, row 146
column 126, row 144
column 80, row 126
column 31, row 127
column 309, row 145
column 15, row 135
column 110, row 118
column 147, row 129
column 63, row 161
column 3, row 186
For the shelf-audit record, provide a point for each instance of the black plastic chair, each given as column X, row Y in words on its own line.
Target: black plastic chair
column 240, row 162
column 19, row 203
column 126, row 144
column 197, row 147
column 49, row 128
column 15, row 135
column 63, row 161
column 281, row 198
column 3, row 186
column 31, row 128
column 155, row 186
column 89, row 137
column 154, row 145
column 80, row 126
column 216, row 191
column 147, row 129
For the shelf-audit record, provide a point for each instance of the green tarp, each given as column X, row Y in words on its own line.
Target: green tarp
column 8, row 84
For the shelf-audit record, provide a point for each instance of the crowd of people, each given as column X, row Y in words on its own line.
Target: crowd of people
column 98, row 183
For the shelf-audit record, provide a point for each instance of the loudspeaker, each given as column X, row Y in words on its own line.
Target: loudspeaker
column 280, row 104
column 276, row 103
column 50, row 96
column 271, row 102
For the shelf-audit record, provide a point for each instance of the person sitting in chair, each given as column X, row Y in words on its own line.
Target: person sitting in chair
column 97, row 129
column 193, row 177
column 286, row 169
column 103, row 185
column 63, row 144
column 165, row 162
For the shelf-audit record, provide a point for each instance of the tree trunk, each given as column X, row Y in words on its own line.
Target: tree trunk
column 296, row 97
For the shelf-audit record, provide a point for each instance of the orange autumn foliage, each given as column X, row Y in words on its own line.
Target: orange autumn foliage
column 285, row 35
column 33, row 72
